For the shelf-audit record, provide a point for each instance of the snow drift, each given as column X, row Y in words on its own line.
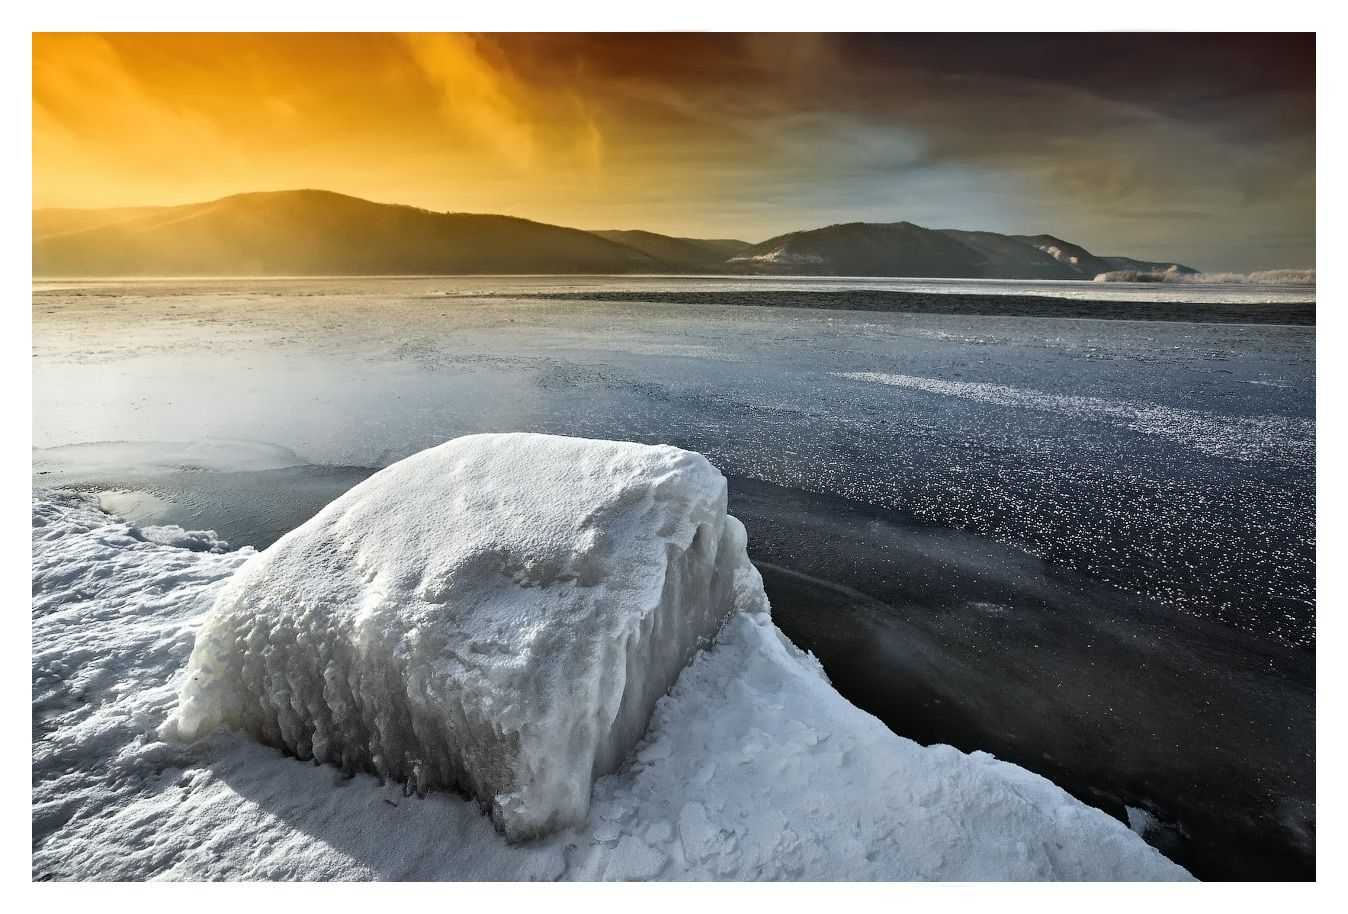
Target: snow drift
column 753, row 767
column 498, row 615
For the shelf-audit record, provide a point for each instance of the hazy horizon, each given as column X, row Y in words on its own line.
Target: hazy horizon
column 1198, row 148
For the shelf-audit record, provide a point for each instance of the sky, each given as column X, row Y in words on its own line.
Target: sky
column 1191, row 147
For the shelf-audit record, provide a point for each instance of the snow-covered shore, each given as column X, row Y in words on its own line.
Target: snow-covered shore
column 753, row 767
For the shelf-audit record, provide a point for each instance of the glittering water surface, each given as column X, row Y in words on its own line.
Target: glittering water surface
column 1170, row 459
column 1167, row 463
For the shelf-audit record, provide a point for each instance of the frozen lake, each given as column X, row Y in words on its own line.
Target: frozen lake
column 1057, row 538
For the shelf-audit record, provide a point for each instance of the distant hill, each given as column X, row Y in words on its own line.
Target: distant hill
column 320, row 233
column 55, row 221
column 1148, row 266
column 904, row 249
column 729, row 246
column 1066, row 255
column 1066, row 252
column 687, row 253
column 860, row 249
column 309, row 233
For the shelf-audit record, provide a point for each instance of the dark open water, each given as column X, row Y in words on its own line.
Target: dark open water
column 1084, row 545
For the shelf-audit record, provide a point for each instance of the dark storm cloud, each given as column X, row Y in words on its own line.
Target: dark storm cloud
column 1109, row 135
column 1265, row 80
column 1174, row 74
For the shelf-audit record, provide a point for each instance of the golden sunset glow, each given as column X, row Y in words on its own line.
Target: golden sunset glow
column 136, row 120
column 706, row 135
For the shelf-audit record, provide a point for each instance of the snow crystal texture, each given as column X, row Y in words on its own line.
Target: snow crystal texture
column 753, row 767
column 499, row 615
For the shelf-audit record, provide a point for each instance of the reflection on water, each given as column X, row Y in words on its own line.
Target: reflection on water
column 1165, row 468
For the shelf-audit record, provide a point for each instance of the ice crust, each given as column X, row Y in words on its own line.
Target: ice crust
column 753, row 767
column 499, row 614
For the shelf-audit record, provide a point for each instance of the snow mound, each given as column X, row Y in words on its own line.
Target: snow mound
column 753, row 767
column 498, row 614
column 756, row 768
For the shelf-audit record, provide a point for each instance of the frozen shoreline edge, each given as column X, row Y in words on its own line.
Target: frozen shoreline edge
column 641, row 815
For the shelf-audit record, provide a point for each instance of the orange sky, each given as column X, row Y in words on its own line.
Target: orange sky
column 440, row 121
column 1197, row 147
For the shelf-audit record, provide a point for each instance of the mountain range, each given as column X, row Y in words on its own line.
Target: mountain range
column 904, row 249
column 321, row 233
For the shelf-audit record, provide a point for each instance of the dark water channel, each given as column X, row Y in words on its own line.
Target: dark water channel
column 951, row 638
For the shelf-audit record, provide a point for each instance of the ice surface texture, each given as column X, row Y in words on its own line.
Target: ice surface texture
column 498, row 614
column 753, row 767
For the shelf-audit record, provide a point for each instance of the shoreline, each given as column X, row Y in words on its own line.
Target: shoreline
column 1297, row 314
